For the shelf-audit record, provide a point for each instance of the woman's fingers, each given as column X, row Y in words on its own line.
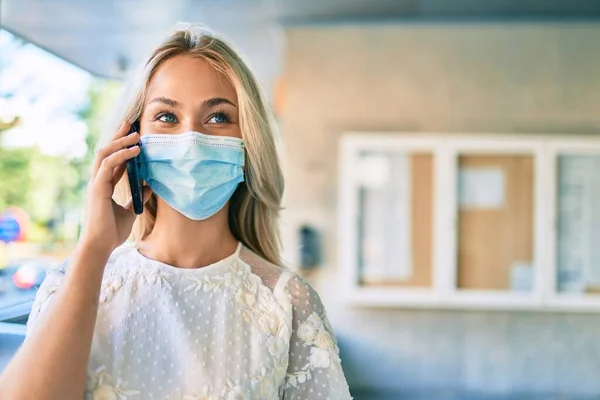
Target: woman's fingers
column 118, row 173
column 116, row 159
column 112, row 147
column 122, row 131
column 124, row 127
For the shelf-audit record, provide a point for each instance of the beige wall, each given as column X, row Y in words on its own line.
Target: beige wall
column 470, row 77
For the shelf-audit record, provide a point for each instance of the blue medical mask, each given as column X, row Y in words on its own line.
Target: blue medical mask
column 196, row 174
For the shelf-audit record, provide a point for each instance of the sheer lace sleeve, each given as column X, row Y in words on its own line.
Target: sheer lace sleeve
column 44, row 295
column 52, row 281
column 315, row 370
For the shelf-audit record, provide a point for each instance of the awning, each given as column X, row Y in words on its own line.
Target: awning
column 108, row 37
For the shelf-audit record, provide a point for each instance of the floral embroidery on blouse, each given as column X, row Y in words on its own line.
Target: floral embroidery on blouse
column 230, row 280
column 205, row 395
column 117, row 279
column 110, row 286
column 255, row 302
column 236, row 392
column 323, row 350
column 264, row 384
column 100, row 387
column 267, row 384
column 154, row 276
column 41, row 299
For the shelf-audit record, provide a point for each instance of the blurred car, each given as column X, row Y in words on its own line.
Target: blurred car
column 19, row 283
column 31, row 273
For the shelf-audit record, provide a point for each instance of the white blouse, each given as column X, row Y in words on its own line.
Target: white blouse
column 241, row 328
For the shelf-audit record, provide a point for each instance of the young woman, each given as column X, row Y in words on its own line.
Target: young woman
column 198, row 307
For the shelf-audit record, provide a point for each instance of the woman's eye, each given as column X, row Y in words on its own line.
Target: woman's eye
column 167, row 117
column 219, row 118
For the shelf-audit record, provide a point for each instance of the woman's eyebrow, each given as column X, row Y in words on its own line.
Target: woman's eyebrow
column 215, row 101
column 165, row 100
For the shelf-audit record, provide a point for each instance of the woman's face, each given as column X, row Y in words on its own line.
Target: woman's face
column 188, row 94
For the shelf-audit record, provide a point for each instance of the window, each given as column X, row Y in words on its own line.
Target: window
column 395, row 194
column 578, row 223
column 494, row 221
column 574, row 193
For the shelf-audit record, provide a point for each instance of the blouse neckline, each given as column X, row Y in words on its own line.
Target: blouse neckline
column 225, row 261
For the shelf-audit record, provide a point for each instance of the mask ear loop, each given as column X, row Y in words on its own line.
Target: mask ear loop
column 245, row 157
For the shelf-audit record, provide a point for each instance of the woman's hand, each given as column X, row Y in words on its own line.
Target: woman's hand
column 108, row 224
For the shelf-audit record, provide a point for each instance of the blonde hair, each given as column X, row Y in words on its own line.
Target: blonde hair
column 255, row 205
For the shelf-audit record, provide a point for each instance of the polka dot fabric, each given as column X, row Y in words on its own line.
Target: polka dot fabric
column 241, row 328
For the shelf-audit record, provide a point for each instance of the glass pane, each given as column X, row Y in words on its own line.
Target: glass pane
column 395, row 218
column 578, row 222
column 495, row 222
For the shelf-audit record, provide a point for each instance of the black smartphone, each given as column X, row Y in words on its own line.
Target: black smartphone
column 133, row 173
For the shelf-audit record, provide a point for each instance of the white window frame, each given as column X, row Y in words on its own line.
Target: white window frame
column 446, row 149
column 555, row 148
column 351, row 147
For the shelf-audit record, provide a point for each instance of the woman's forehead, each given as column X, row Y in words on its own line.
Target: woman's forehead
column 188, row 78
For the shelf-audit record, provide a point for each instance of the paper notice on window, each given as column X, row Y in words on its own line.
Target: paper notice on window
column 481, row 188
column 385, row 213
column 521, row 277
column 374, row 171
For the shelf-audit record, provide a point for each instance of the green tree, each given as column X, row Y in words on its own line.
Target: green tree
column 14, row 176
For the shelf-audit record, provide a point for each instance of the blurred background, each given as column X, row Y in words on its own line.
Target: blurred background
column 442, row 164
